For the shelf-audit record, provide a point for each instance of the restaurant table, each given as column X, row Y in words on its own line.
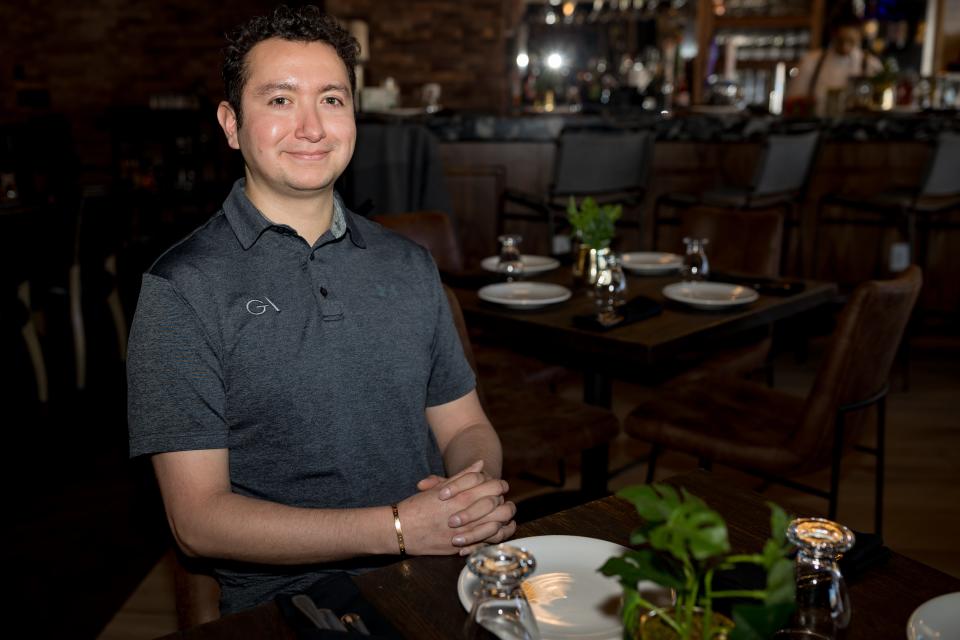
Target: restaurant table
column 418, row 595
column 637, row 351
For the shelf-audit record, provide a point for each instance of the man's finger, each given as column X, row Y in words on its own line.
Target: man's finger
column 430, row 482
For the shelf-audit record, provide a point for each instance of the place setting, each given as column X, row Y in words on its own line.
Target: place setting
column 515, row 293
column 697, row 291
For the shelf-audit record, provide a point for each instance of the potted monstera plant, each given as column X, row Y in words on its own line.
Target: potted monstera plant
column 682, row 545
column 594, row 225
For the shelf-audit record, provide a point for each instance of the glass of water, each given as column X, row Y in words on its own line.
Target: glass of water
column 500, row 609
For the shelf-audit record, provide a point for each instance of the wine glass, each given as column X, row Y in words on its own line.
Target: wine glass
column 511, row 261
column 823, row 603
column 696, row 267
column 500, row 609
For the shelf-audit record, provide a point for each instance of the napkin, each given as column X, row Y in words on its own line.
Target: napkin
column 766, row 286
column 338, row 593
column 867, row 552
column 639, row 308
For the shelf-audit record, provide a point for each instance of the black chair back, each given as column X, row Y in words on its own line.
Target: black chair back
column 786, row 164
column 943, row 173
column 598, row 162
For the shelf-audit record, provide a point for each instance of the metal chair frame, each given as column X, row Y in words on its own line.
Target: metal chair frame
column 832, row 495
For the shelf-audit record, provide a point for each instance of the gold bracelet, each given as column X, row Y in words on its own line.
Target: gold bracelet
column 396, row 525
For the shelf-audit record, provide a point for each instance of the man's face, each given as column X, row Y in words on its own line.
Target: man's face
column 298, row 129
column 846, row 39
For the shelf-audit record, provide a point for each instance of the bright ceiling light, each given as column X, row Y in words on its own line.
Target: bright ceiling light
column 551, row 17
column 523, row 60
column 554, row 60
column 568, row 8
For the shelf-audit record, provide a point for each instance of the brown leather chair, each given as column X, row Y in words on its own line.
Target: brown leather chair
column 432, row 230
column 775, row 435
column 535, row 426
column 741, row 243
column 196, row 591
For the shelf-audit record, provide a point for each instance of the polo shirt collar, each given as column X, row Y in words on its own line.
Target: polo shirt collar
column 248, row 223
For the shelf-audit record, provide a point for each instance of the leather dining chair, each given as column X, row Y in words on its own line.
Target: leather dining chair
column 779, row 183
column 196, row 591
column 777, row 436
column 742, row 243
column 432, row 230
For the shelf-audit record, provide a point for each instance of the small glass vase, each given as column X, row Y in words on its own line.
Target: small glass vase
column 652, row 626
column 510, row 262
column 589, row 264
column 500, row 609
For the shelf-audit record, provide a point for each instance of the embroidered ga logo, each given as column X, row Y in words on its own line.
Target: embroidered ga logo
column 258, row 307
column 386, row 291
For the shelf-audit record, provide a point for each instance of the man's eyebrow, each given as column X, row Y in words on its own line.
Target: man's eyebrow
column 270, row 87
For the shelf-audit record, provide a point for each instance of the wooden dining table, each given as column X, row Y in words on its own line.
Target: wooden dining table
column 418, row 596
column 635, row 351
column 641, row 351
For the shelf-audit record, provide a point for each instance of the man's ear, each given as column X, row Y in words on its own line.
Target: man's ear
column 228, row 122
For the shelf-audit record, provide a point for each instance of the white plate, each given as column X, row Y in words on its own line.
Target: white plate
column 531, row 264
column 651, row 263
column 936, row 619
column 569, row 596
column 524, row 295
column 710, row 295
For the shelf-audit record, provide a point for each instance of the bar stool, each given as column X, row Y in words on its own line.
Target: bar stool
column 610, row 166
column 779, row 182
column 922, row 207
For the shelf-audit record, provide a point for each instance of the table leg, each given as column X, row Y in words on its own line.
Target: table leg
column 595, row 462
column 597, row 389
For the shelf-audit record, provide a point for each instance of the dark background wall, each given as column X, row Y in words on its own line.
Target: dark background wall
column 84, row 60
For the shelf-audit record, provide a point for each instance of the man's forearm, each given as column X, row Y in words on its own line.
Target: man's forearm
column 236, row 527
column 476, row 442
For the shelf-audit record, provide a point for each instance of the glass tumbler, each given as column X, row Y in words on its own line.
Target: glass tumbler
column 511, row 261
column 695, row 264
column 500, row 609
column 611, row 285
column 823, row 603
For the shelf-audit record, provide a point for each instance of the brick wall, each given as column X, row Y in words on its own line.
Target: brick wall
column 88, row 54
column 459, row 44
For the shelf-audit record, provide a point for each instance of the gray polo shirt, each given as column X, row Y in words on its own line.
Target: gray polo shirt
column 312, row 365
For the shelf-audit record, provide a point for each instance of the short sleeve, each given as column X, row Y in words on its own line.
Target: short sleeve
column 175, row 390
column 450, row 376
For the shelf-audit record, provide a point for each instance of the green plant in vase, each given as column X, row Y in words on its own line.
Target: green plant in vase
column 595, row 226
column 683, row 543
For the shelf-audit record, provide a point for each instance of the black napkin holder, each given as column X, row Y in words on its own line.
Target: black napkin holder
column 637, row 309
column 338, row 593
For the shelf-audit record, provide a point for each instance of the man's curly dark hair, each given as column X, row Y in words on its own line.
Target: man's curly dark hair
column 302, row 24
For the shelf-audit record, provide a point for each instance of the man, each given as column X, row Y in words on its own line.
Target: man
column 826, row 71
column 293, row 368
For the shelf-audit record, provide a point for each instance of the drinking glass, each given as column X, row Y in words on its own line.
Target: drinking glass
column 823, row 604
column 500, row 609
column 695, row 263
column 511, row 261
column 609, row 290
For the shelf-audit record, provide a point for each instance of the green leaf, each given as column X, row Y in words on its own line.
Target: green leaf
column 707, row 534
column 758, row 621
column 628, row 572
column 657, row 568
column 779, row 521
column 781, row 583
column 654, row 503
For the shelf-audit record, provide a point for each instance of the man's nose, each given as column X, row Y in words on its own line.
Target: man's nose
column 310, row 124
